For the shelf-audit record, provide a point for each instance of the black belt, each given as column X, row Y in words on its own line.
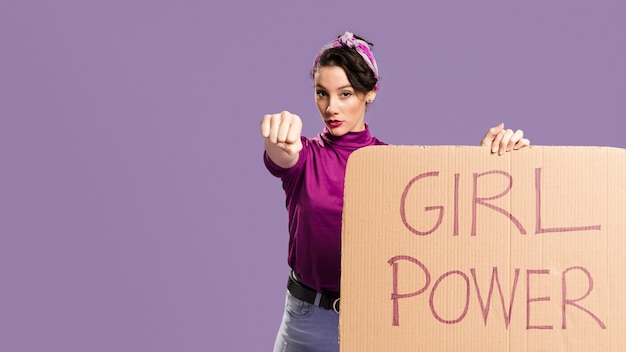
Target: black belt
column 302, row 292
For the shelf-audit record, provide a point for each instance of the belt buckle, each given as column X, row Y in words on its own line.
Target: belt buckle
column 336, row 305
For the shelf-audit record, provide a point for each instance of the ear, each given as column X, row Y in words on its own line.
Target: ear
column 370, row 96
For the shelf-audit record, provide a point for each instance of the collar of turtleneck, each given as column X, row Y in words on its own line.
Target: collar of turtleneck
column 350, row 139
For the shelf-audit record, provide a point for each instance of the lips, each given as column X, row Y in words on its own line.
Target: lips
column 334, row 123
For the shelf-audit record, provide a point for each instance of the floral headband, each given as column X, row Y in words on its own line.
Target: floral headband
column 361, row 47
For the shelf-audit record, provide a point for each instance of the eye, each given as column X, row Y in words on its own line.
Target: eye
column 346, row 94
column 321, row 93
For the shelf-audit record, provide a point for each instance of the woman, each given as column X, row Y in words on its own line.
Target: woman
column 345, row 76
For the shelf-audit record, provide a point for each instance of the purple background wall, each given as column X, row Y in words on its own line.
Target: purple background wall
column 135, row 211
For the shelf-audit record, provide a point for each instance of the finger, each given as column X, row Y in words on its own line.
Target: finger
column 491, row 135
column 265, row 126
column 504, row 142
column 495, row 145
column 285, row 123
column 283, row 146
column 524, row 142
column 274, row 126
column 292, row 148
column 516, row 137
column 295, row 130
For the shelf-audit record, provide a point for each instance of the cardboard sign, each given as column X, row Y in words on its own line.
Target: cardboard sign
column 455, row 249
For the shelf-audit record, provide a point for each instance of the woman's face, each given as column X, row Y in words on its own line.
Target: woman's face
column 341, row 107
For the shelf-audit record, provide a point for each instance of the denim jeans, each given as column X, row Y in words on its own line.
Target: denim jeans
column 307, row 328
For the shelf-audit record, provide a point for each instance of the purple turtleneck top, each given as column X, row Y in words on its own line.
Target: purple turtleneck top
column 314, row 191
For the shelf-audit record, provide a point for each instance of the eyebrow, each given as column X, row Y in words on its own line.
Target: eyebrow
column 338, row 88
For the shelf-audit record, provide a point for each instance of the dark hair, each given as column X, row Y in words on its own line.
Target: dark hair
column 360, row 75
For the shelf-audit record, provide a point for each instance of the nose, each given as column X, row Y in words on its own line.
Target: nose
column 331, row 108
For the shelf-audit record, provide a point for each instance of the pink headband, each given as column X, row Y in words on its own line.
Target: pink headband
column 361, row 47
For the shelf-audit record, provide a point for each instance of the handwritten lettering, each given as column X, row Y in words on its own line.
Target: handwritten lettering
column 478, row 199
column 411, row 263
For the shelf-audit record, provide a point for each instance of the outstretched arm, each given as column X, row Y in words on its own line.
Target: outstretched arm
column 282, row 138
column 501, row 140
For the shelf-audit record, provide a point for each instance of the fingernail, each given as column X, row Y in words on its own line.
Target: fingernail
column 494, row 149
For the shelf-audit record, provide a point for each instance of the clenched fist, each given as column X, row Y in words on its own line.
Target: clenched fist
column 282, row 137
